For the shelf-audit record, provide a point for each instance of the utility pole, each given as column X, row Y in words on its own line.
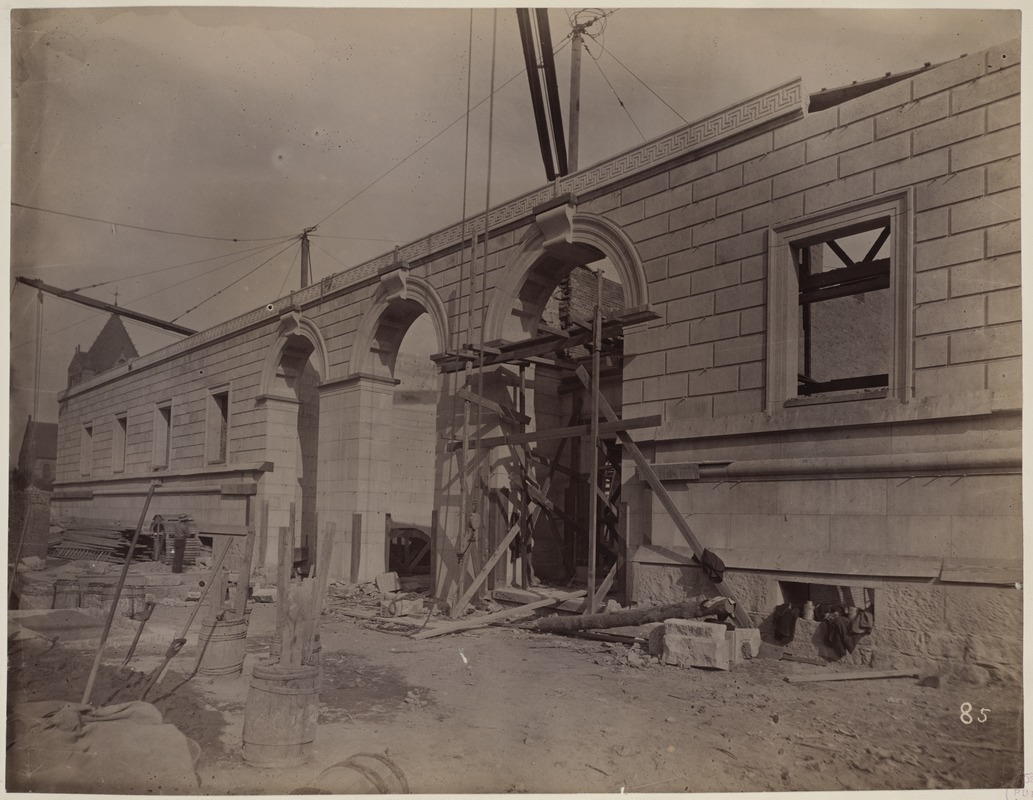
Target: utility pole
column 574, row 116
column 306, row 262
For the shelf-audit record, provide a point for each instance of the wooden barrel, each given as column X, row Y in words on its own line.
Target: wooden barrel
column 66, row 594
column 35, row 594
column 222, row 645
column 281, row 715
column 363, row 773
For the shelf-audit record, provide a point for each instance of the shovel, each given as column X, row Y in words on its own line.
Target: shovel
column 143, row 617
column 179, row 641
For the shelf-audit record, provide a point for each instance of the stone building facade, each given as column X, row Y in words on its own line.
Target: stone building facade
column 769, row 241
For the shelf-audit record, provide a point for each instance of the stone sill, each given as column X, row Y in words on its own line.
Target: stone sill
column 845, row 566
column 844, row 414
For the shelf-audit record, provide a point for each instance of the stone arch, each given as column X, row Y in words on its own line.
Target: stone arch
column 547, row 253
column 397, row 302
column 298, row 333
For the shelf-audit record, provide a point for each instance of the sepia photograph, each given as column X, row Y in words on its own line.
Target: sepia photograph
column 489, row 400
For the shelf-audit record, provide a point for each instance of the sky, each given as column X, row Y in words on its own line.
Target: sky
column 231, row 130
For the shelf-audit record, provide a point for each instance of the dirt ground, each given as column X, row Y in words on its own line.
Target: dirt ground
column 507, row 710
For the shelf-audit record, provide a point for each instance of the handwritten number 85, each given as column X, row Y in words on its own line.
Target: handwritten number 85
column 966, row 714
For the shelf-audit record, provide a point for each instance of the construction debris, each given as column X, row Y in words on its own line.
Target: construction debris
column 688, row 609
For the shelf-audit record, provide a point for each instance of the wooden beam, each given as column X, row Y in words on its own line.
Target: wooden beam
column 592, row 604
column 646, row 470
column 605, row 429
column 854, row 676
column 477, row 622
column 491, row 405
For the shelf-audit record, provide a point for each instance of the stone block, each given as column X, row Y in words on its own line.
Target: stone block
column 802, row 178
column 838, row 192
column 737, row 153
column 1004, row 306
column 717, row 183
column 955, row 72
column 813, row 124
column 1002, row 175
column 949, row 132
column 931, row 286
column 719, row 326
column 992, row 147
column 1005, row 376
column 744, row 643
column 897, row 94
column 752, row 243
column 884, row 151
column 689, row 651
column 694, row 628
column 773, row 163
column 950, row 189
column 1003, row 239
column 692, row 307
column 986, row 276
column 950, row 315
column 738, row 199
column 720, row 228
column 986, row 343
column 931, row 351
column 983, row 212
column 988, row 89
column 707, row 280
column 839, row 140
column 1003, row 114
column 950, row 250
column 714, row 381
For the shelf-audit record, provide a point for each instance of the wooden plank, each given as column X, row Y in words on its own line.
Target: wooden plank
column 491, row 405
column 645, row 468
column 225, row 530
column 854, row 676
column 487, row 568
column 283, row 581
column 604, row 589
column 498, row 616
column 353, row 572
column 244, row 577
column 607, row 428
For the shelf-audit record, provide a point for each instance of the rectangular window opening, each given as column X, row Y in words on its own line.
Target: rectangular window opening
column 162, row 436
column 118, row 443
column 218, row 426
column 826, row 597
column 846, row 319
column 86, row 450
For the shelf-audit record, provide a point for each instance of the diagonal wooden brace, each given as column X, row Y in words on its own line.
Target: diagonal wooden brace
column 646, row 470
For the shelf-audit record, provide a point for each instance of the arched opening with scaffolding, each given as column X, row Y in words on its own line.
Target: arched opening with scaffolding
column 391, row 428
column 556, row 316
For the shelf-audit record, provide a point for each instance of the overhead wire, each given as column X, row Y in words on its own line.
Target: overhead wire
column 234, row 283
column 621, row 102
column 185, row 264
column 636, row 77
column 331, row 255
column 290, row 269
column 143, row 227
column 440, row 133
